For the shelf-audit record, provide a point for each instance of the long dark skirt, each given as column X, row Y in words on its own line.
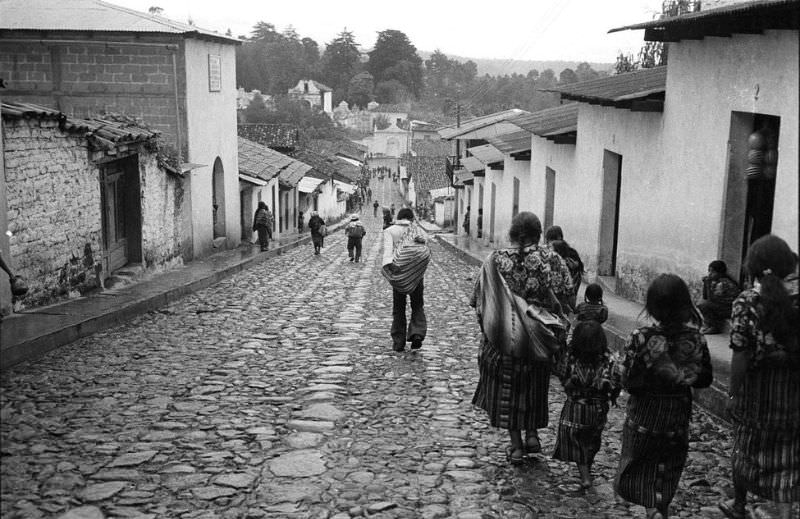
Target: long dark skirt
column 655, row 442
column 580, row 430
column 511, row 391
column 317, row 239
column 766, row 440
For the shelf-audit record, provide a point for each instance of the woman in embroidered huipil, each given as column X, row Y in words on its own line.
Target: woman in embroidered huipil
column 661, row 364
column 765, row 381
column 514, row 392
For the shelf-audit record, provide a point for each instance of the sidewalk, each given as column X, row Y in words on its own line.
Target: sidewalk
column 623, row 316
column 34, row 332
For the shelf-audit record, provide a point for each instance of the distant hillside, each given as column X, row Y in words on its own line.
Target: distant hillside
column 500, row 67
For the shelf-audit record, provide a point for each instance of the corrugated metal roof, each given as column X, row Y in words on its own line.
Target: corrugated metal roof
column 93, row 16
column 619, row 90
column 451, row 132
column 105, row 132
column 487, row 154
column 472, row 164
column 744, row 17
column 512, row 142
column 550, row 121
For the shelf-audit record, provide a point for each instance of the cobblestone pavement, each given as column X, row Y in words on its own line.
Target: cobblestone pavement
column 275, row 393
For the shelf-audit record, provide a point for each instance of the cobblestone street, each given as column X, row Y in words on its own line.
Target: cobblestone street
column 276, row 393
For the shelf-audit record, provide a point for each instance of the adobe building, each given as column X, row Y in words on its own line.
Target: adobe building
column 177, row 78
column 315, row 94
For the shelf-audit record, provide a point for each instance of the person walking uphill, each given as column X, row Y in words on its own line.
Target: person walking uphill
column 262, row 223
column 318, row 231
column 765, row 382
column 355, row 232
column 405, row 257
column 513, row 391
column 661, row 365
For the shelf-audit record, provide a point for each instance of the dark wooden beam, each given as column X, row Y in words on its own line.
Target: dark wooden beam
column 647, row 105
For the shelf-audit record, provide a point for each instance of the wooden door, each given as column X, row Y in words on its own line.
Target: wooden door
column 114, row 225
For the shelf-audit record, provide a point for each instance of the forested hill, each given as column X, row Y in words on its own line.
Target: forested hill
column 504, row 66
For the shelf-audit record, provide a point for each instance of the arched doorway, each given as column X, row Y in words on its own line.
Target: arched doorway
column 218, row 198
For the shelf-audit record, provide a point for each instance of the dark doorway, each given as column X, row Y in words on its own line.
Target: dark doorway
column 549, row 196
column 218, row 198
column 609, row 214
column 122, row 220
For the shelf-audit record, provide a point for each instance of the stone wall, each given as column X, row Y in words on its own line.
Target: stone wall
column 54, row 210
column 162, row 206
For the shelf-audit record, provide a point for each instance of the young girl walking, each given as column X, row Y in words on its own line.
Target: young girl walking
column 591, row 382
column 661, row 364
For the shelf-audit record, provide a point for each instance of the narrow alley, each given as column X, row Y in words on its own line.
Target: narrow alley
column 275, row 393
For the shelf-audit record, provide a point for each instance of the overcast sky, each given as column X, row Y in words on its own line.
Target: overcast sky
column 573, row 30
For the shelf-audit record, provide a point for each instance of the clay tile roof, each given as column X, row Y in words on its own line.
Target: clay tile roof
column 512, row 142
column 328, row 166
column 93, row 16
column 259, row 161
column 276, row 136
column 106, row 132
column 428, row 172
column 744, row 18
column 343, row 147
column 450, row 132
column 550, row 121
column 621, row 91
column 431, row 148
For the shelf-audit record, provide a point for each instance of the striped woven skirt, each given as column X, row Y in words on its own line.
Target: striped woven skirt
column 580, row 429
column 766, row 441
column 511, row 391
column 655, row 442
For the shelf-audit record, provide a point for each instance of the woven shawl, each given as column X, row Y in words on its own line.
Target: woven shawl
column 410, row 259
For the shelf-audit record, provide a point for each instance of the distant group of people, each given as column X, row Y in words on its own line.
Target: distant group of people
column 660, row 365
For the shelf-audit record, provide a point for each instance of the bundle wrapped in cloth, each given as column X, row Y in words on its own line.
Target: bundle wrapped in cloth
column 409, row 261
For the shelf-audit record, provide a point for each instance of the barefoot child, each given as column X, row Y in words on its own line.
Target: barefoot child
column 661, row 365
column 590, row 381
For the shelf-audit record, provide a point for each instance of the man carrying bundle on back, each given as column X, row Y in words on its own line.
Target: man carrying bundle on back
column 405, row 257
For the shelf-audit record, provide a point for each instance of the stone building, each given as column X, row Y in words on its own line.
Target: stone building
column 177, row 78
column 84, row 199
column 314, row 93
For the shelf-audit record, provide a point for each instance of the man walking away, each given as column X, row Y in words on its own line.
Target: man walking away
column 375, row 206
column 355, row 232
column 262, row 223
column 405, row 257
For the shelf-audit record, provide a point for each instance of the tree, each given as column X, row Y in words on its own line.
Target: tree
column 625, row 63
column 567, row 76
column 340, row 62
column 359, row 90
column 391, row 92
column 256, row 111
column 395, row 58
column 585, row 72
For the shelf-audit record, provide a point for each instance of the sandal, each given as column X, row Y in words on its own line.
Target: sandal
column 731, row 511
column 515, row 456
column 532, row 444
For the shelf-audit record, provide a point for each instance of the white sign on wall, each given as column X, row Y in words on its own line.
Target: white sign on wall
column 214, row 73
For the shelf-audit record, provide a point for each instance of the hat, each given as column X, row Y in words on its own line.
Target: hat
column 354, row 216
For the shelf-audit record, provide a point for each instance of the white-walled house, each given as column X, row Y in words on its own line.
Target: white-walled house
column 177, row 78
column 732, row 71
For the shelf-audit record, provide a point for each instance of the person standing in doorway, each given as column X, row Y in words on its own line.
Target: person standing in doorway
column 466, row 221
column 480, row 222
column 300, row 221
column 405, row 259
column 262, row 224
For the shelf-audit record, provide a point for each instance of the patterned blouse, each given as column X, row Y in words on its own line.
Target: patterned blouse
column 666, row 362
column 747, row 335
column 532, row 275
column 582, row 380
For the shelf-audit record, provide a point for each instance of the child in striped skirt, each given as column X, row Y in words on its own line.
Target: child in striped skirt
column 591, row 383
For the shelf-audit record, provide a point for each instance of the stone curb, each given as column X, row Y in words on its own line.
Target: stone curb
column 38, row 346
column 713, row 399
